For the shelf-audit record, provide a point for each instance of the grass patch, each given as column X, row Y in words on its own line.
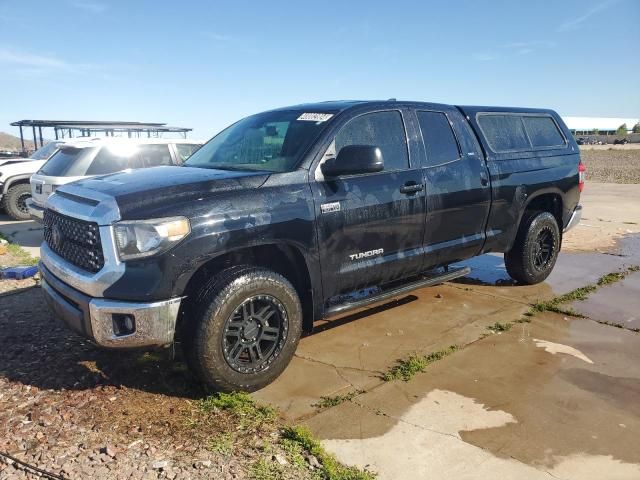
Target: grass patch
column 526, row 319
column 300, row 438
column 406, row 369
column 500, row 327
column 221, row 443
column 328, row 402
column 265, row 469
column 241, row 406
column 16, row 255
column 582, row 293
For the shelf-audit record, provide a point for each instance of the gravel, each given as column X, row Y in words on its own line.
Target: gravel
column 612, row 166
column 80, row 412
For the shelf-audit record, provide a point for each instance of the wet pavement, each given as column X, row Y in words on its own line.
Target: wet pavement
column 27, row 234
column 557, row 397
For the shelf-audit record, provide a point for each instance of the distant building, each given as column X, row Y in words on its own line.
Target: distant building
column 600, row 125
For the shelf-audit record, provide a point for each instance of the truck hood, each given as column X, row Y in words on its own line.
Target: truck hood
column 140, row 192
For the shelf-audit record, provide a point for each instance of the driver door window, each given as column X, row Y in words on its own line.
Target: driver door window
column 382, row 129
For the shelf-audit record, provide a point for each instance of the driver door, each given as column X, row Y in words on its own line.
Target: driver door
column 370, row 226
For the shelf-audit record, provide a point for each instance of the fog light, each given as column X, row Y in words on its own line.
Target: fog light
column 123, row 324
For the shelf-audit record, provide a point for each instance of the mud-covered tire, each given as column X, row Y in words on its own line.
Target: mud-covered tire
column 214, row 316
column 535, row 250
column 14, row 201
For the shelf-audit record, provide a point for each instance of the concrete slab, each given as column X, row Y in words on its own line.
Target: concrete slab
column 618, row 304
column 524, row 404
column 27, row 234
column 354, row 351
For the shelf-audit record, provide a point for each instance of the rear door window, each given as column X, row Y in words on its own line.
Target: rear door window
column 111, row 160
column 153, row 155
column 504, row 133
column 68, row 162
column 381, row 129
column 543, row 131
column 438, row 137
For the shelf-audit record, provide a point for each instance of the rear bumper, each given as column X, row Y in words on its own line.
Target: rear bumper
column 36, row 211
column 576, row 216
column 111, row 323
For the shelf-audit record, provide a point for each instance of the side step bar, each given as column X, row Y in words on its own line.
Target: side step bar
column 425, row 281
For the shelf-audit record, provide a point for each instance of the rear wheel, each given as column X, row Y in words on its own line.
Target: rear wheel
column 535, row 250
column 15, row 201
column 244, row 329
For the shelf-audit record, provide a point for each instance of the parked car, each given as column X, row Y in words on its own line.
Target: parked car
column 621, row 141
column 100, row 156
column 288, row 216
column 14, row 179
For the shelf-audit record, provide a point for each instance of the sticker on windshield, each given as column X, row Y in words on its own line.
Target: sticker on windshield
column 315, row 117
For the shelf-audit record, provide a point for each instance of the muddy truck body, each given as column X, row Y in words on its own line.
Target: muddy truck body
column 301, row 213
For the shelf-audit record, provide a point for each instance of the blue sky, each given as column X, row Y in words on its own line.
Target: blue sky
column 205, row 64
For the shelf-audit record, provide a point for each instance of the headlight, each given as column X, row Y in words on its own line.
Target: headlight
column 143, row 238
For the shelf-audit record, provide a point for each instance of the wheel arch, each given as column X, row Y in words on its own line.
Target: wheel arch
column 15, row 180
column 284, row 258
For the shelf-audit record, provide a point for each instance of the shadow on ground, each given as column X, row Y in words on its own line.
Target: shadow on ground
column 37, row 349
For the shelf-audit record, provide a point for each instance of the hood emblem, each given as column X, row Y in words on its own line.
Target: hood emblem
column 56, row 236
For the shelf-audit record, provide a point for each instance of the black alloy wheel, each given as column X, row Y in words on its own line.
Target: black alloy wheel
column 254, row 334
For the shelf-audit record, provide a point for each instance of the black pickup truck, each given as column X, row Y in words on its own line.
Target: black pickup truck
column 301, row 213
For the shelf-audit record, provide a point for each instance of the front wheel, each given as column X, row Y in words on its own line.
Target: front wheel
column 15, row 201
column 244, row 330
column 535, row 250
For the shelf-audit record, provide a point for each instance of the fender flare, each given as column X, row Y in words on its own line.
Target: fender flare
column 10, row 181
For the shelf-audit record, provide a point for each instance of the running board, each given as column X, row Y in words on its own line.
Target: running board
column 425, row 281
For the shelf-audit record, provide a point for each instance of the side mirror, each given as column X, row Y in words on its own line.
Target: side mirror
column 354, row 159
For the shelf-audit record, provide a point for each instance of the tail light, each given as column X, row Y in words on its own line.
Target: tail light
column 582, row 175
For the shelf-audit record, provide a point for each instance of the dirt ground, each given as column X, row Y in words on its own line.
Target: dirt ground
column 612, row 165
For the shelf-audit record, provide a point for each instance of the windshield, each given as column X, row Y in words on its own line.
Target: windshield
column 45, row 152
column 185, row 150
column 271, row 141
column 68, row 162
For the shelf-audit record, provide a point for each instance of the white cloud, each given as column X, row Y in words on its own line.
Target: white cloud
column 13, row 57
column 216, row 36
column 30, row 64
column 531, row 44
column 576, row 22
column 89, row 6
column 484, row 57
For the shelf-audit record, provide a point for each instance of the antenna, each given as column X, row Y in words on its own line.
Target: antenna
column 392, row 100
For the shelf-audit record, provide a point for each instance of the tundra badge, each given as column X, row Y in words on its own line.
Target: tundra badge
column 367, row 254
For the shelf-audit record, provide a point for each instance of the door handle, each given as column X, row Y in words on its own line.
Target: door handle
column 411, row 187
column 484, row 180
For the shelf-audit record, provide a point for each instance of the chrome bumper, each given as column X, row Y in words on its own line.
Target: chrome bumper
column 101, row 320
column 575, row 218
column 36, row 211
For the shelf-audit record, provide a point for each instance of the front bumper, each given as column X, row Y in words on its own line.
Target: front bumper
column 36, row 211
column 102, row 320
column 576, row 216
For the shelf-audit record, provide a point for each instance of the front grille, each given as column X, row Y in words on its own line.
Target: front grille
column 77, row 241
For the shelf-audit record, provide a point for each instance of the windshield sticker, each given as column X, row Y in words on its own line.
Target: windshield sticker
column 315, row 117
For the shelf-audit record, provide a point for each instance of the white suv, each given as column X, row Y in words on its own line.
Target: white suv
column 14, row 179
column 81, row 159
